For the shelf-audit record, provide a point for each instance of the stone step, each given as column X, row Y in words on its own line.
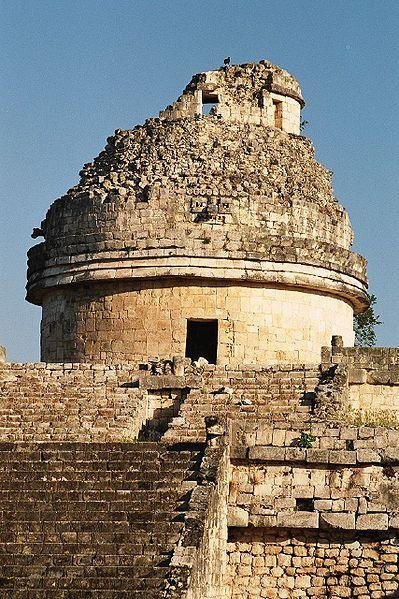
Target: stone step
column 90, row 520
column 17, row 463
column 54, row 492
column 95, row 583
column 94, row 469
column 138, row 447
column 84, row 594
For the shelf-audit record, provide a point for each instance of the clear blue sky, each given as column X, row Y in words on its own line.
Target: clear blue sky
column 73, row 71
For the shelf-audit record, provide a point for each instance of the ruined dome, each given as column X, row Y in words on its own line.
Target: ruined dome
column 233, row 194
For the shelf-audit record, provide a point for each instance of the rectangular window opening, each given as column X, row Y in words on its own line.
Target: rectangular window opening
column 278, row 114
column 305, row 504
column 202, row 340
column 209, row 103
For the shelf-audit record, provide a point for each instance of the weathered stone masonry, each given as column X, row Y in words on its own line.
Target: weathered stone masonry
column 133, row 468
column 195, row 216
column 260, row 514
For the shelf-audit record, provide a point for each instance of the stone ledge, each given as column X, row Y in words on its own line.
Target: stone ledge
column 272, row 453
column 263, row 521
column 368, row 456
column 317, row 456
column 339, row 456
column 242, row 518
column 261, row 453
column 390, row 454
column 261, row 272
column 267, row 454
column 239, row 452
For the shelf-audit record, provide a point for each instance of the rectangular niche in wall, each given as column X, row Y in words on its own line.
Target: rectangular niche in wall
column 202, row 340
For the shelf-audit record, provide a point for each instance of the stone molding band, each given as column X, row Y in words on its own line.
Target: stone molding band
column 261, row 272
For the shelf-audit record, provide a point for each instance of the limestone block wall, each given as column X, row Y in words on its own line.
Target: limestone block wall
column 297, row 495
column 372, row 398
column 87, row 402
column 304, row 563
column 347, row 476
column 374, row 443
column 370, row 380
column 313, row 511
column 130, row 321
column 275, row 110
column 374, row 386
column 290, row 113
column 374, row 360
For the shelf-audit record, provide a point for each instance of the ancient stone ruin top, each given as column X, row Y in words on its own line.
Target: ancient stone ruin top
column 227, row 194
column 230, row 199
column 257, row 93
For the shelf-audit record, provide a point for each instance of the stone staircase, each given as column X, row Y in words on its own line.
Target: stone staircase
column 282, row 395
column 91, row 520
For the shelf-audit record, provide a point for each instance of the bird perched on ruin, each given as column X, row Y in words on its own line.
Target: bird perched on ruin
column 37, row 232
column 227, row 61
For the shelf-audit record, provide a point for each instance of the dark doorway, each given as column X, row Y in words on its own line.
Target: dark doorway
column 202, row 340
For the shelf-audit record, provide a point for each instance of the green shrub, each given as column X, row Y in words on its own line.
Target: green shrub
column 306, row 440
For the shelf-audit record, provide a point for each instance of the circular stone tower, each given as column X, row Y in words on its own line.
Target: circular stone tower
column 208, row 231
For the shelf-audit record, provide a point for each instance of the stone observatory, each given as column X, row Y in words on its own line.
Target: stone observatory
column 209, row 231
column 130, row 468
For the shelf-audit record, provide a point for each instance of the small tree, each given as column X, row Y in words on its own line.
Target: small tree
column 364, row 324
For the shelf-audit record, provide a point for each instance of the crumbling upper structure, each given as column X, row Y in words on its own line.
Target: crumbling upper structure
column 201, row 234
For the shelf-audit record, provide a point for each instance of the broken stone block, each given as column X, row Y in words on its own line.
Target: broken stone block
column 342, row 457
column 379, row 377
column 341, row 520
column 317, row 456
column 391, row 454
column 394, row 521
column 295, row 454
column 238, row 452
column 263, row 521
